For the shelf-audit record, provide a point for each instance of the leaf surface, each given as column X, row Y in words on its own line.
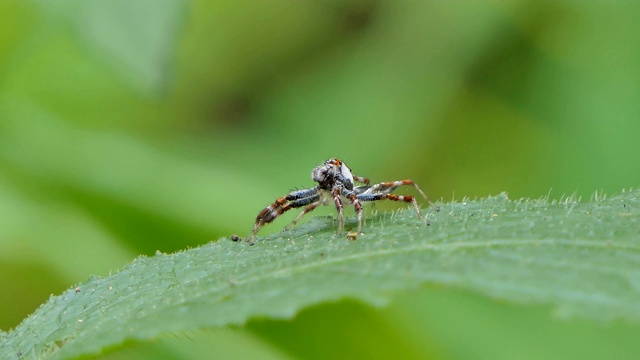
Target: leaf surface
column 579, row 258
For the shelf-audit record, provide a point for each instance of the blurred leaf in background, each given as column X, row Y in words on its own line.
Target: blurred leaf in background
column 128, row 127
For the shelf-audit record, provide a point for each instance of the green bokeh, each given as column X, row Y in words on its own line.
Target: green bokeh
column 127, row 128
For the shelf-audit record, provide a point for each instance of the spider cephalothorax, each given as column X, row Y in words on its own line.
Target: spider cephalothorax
column 334, row 173
column 335, row 182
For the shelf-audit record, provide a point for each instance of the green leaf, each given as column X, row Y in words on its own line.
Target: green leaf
column 579, row 258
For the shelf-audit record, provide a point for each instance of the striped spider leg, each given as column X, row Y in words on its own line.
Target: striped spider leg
column 383, row 190
column 295, row 199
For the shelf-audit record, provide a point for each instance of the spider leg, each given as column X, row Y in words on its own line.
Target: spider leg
column 389, row 186
column 383, row 191
column 283, row 204
column 394, row 197
column 353, row 197
column 361, row 179
column 306, row 210
column 303, row 193
column 361, row 189
column 338, row 201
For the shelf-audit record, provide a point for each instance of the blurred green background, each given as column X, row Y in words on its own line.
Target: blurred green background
column 130, row 126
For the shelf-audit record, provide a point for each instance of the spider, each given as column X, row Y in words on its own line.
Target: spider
column 335, row 182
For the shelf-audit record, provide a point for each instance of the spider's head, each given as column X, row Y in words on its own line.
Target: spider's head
column 333, row 172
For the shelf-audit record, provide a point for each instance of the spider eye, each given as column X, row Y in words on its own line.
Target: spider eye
column 335, row 162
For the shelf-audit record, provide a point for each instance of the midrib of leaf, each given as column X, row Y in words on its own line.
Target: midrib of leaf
column 579, row 258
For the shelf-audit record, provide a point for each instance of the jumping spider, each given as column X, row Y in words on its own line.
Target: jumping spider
column 335, row 181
